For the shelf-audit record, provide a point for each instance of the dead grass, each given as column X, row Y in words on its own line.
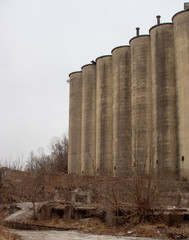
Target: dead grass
column 2, row 237
column 6, row 234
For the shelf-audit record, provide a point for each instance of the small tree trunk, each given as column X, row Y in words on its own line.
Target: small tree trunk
column 34, row 211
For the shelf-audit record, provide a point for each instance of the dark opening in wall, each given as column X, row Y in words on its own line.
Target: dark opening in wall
column 58, row 212
column 186, row 217
column 182, row 158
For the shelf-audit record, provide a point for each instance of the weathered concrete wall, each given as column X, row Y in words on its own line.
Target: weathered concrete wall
column 75, row 115
column 164, row 129
column 121, row 74
column 88, row 135
column 15, row 185
column 89, row 189
column 104, row 116
column 141, row 102
column 181, row 41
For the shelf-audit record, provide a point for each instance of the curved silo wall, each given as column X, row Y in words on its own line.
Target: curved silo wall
column 164, row 128
column 88, row 136
column 121, row 77
column 74, row 151
column 181, row 42
column 104, row 116
column 141, row 103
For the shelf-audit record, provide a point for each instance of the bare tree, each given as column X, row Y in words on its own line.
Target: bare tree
column 55, row 161
column 32, row 190
column 15, row 164
column 59, row 153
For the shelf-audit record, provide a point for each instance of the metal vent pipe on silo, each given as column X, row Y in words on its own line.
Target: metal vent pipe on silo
column 141, row 103
column 186, row 6
column 181, row 44
column 121, row 74
column 75, row 115
column 158, row 19
column 88, row 135
column 104, row 115
column 164, row 128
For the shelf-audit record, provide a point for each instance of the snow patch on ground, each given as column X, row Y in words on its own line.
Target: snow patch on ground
column 25, row 213
column 69, row 235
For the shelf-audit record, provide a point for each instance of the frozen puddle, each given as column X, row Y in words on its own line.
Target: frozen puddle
column 67, row 235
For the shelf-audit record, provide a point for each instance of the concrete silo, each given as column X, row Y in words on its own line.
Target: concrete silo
column 75, row 115
column 141, row 102
column 164, row 130
column 88, row 135
column 121, row 79
column 104, row 115
column 181, row 43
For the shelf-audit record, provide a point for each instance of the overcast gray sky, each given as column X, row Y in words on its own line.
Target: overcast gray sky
column 41, row 42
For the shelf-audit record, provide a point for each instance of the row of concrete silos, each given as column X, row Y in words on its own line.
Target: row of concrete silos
column 129, row 110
